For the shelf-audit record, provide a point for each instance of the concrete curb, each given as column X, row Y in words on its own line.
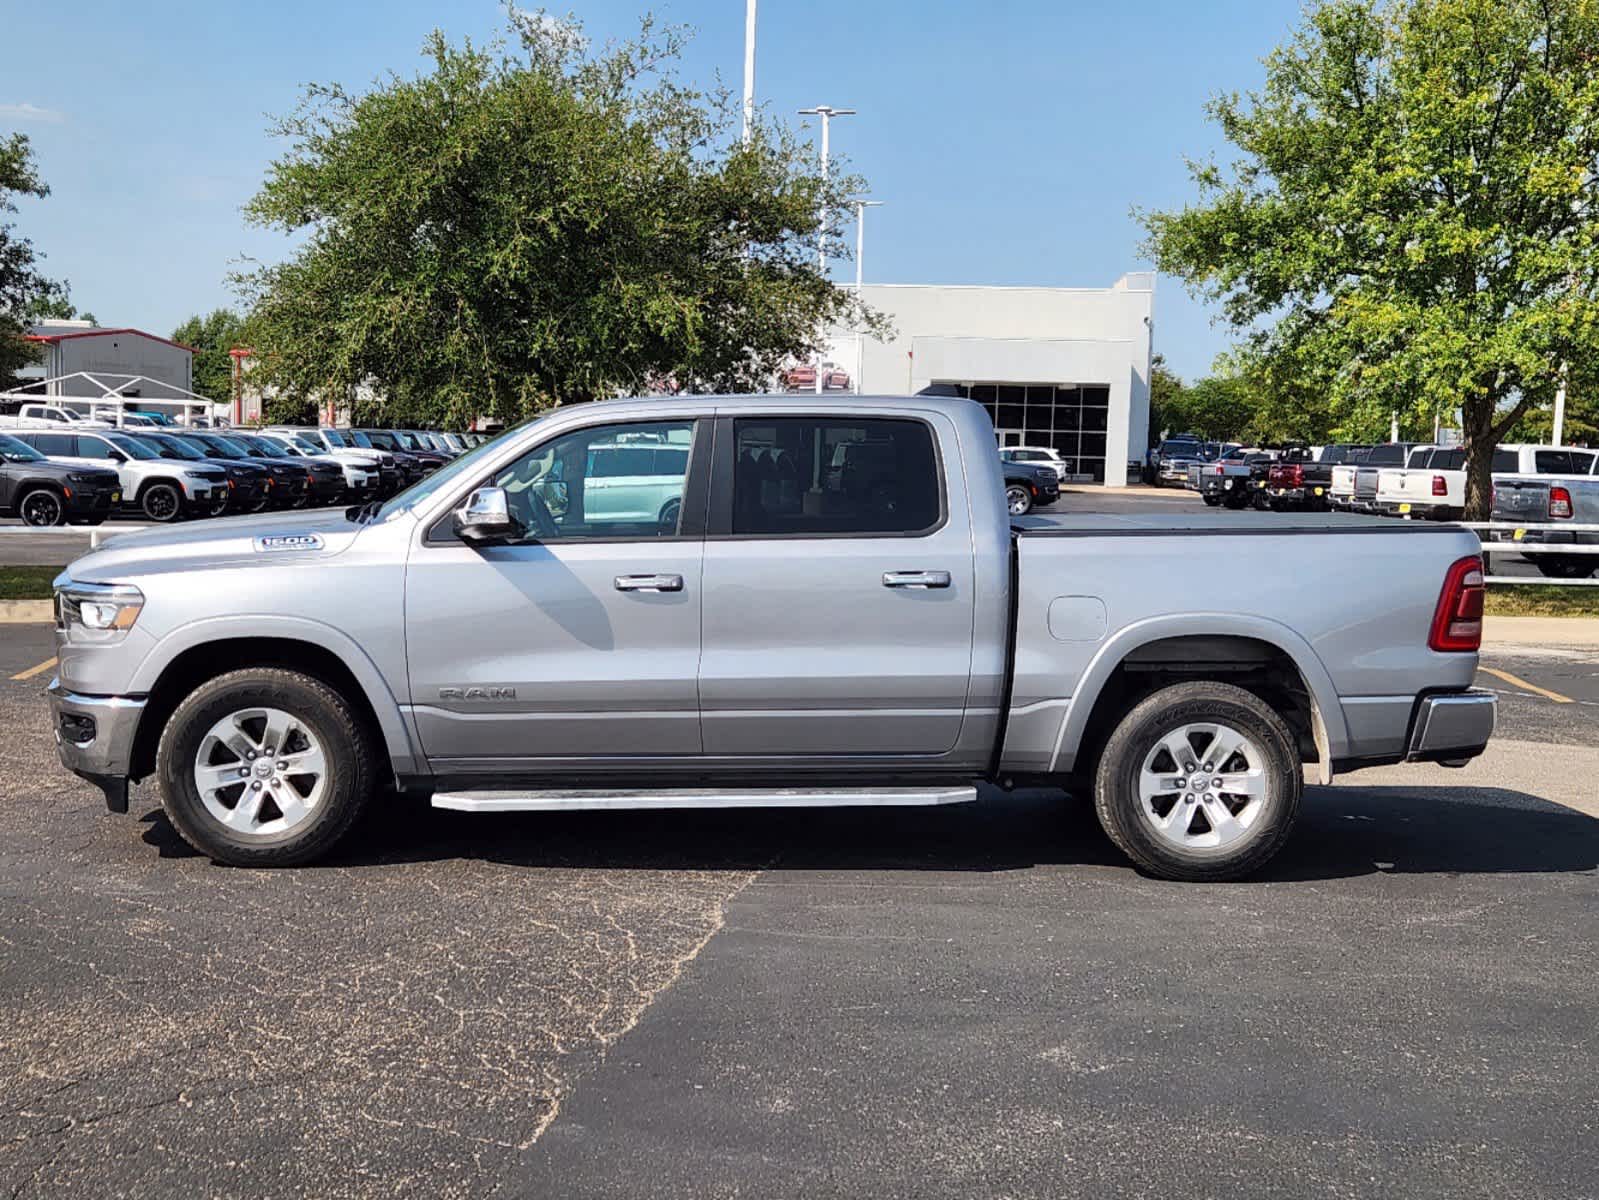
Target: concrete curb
column 26, row 612
column 1540, row 631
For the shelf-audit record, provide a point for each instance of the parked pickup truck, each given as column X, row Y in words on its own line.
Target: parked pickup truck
column 1230, row 479
column 48, row 416
column 852, row 639
column 1432, row 483
column 1354, row 484
column 1571, row 500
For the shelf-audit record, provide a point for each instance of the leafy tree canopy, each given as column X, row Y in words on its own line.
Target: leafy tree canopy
column 533, row 225
column 1410, row 224
column 21, row 284
column 212, row 336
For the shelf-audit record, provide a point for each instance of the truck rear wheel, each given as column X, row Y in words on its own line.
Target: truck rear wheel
column 1200, row 781
column 1565, row 566
column 264, row 768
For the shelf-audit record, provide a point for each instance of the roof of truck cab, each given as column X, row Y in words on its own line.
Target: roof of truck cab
column 1103, row 524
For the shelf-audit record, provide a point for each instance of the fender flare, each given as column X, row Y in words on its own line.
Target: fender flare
column 1327, row 713
column 396, row 736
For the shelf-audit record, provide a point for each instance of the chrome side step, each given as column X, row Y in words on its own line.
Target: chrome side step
column 518, row 800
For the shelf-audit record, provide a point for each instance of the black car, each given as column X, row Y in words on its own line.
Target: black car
column 324, row 480
column 283, row 484
column 1028, row 487
column 249, row 485
column 412, row 466
column 43, row 493
column 414, row 444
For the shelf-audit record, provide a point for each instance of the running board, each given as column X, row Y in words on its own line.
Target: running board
column 517, row 800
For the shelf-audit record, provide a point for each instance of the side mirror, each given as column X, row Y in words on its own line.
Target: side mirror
column 118, row 456
column 486, row 519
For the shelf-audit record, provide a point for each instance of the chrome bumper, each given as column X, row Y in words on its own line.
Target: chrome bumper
column 94, row 738
column 1453, row 728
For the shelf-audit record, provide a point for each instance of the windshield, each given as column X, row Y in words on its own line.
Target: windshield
column 133, row 448
column 356, row 438
column 331, row 436
column 171, row 447
column 428, row 484
column 238, row 449
column 14, row 451
column 382, row 439
column 265, row 447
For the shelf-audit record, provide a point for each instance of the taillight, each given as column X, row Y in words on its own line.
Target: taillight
column 1296, row 476
column 1559, row 503
column 1457, row 624
column 1440, row 486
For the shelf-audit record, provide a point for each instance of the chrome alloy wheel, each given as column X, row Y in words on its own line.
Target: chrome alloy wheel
column 260, row 772
column 1203, row 786
column 1018, row 500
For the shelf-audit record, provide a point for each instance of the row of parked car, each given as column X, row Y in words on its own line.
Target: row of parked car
column 1533, row 486
column 82, row 472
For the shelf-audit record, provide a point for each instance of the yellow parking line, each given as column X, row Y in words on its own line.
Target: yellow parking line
column 1518, row 681
column 38, row 670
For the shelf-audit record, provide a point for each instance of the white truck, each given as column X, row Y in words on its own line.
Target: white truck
column 49, row 416
column 1432, row 483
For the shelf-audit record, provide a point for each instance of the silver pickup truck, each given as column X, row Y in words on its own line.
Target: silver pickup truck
column 832, row 608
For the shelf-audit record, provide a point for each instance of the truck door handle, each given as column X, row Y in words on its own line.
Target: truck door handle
column 916, row 579
column 649, row 583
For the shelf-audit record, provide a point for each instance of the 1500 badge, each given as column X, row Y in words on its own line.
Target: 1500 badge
column 477, row 693
column 288, row 541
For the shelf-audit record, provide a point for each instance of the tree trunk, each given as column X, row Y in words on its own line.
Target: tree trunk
column 1477, row 421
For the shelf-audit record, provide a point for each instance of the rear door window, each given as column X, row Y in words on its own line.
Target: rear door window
column 815, row 476
column 56, row 445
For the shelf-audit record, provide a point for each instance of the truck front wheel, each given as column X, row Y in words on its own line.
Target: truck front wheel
column 1200, row 781
column 1018, row 500
column 264, row 768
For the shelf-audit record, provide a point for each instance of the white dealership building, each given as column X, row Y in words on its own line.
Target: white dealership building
column 1060, row 367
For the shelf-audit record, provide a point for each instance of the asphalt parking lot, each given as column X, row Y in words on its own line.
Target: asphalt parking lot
column 981, row 1000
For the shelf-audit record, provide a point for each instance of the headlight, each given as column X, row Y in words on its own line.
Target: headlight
column 104, row 609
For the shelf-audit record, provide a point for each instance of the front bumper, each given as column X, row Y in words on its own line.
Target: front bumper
column 88, row 502
column 1453, row 727
column 94, row 738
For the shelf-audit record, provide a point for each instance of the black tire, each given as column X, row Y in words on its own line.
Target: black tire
column 43, row 508
column 162, row 502
column 1236, row 499
column 1564, row 566
column 1211, row 501
column 348, row 752
column 1017, row 496
column 1120, row 808
column 260, row 502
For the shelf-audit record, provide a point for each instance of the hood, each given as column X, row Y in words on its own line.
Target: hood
column 226, row 541
column 51, row 469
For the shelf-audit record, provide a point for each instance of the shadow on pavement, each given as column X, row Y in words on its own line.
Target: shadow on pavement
column 1342, row 832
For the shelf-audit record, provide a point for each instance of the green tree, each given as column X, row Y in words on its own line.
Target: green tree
column 55, row 304
column 21, row 284
column 1411, row 222
column 1166, row 413
column 516, row 228
column 212, row 336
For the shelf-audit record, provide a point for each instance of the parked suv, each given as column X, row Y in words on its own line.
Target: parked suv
column 247, row 483
column 1037, row 456
column 44, row 493
column 362, row 479
column 332, row 442
column 323, row 478
column 156, row 487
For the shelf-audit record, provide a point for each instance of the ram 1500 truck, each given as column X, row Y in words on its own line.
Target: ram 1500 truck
column 837, row 611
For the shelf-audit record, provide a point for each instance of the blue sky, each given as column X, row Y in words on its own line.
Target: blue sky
column 1008, row 139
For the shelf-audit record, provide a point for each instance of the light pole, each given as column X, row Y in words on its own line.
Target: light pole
column 860, row 257
column 827, row 112
column 749, row 68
